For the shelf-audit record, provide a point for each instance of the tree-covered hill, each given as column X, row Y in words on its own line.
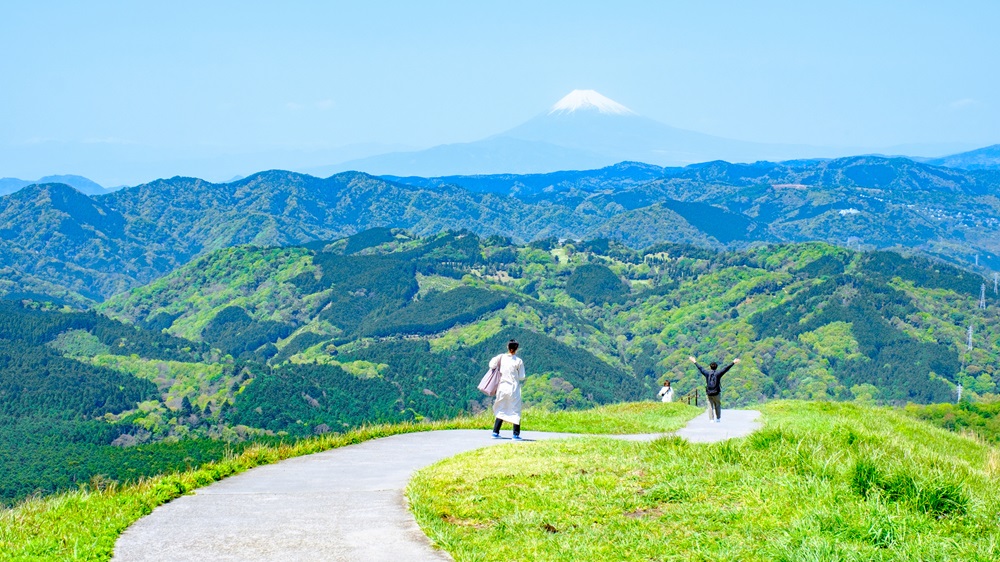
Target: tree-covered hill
column 97, row 247
column 66, row 415
column 58, row 242
column 252, row 342
column 811, row 321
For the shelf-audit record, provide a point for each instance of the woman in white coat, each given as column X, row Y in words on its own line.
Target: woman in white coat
column 507, row 406
column 666, row 393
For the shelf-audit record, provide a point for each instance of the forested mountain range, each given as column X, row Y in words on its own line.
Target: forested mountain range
column 252, row 342
column 57, row 242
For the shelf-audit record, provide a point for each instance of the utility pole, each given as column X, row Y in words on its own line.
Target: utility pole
column 977, row 260
column 982, row 297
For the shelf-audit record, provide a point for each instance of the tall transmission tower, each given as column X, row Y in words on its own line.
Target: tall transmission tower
column 996, row 282
column 982, row 297
column 970, row 337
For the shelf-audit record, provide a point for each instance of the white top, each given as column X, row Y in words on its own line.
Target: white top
column 507, row 405
column 589, row 100
column 667, row 394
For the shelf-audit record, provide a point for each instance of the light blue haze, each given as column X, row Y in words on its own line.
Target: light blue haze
column 123, row 92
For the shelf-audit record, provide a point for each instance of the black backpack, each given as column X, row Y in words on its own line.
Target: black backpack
column 712, row 383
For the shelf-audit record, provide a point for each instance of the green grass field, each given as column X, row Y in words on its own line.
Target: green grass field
column 84, row 525
column 820, row 481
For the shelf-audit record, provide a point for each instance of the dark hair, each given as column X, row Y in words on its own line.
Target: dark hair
column 512, row 346
column 713, row 365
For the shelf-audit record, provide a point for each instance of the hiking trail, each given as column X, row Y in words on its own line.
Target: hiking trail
column 341, row 504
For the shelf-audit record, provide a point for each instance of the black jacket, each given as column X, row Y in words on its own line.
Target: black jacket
column 713, row 379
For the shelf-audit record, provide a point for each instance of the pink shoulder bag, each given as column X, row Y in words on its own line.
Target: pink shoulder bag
column 491, row 380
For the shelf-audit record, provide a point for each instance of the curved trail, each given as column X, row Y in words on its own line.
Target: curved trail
column 341, row 504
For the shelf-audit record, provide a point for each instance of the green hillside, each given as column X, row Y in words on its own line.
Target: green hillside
column 69, row 411
column 810, row 321
column 820, row 481
column 248, row 344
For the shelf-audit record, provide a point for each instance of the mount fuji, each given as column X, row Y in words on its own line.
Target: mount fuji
column 583, row 130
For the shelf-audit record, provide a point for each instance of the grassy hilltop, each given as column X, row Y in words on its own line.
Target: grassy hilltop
column 820, row 481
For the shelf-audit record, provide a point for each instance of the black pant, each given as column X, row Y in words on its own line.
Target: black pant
column 498, row 422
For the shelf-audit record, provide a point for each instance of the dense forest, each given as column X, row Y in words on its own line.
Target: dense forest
column 250, row 343
column 55, row 408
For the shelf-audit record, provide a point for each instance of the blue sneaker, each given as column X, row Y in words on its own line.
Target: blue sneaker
column 496, row 435
column 517, row 438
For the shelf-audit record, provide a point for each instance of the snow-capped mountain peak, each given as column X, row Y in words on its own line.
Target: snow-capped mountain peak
column 589, row 100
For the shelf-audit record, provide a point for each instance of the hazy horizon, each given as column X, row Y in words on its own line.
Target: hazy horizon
column 123, row 94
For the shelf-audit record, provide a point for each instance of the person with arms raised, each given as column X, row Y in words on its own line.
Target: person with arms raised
column 713, row 386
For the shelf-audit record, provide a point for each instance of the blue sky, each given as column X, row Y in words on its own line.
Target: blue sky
column 124, row 91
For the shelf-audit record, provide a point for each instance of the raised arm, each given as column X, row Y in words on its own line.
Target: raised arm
column 703, row 372
column 727, row 367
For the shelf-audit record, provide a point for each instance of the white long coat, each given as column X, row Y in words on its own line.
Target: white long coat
column 507, row 405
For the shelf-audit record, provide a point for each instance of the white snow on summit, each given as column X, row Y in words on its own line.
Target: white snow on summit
column 589, row 99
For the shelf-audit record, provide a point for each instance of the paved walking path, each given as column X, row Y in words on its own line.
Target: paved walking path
column 735, row 423
column 341, row 504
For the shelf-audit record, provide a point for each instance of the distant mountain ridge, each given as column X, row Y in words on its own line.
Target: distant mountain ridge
column 584, row 129
column 986, row 158
column 80, row 183
column 55, row 240
column 495, row 154
column 883, row 172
